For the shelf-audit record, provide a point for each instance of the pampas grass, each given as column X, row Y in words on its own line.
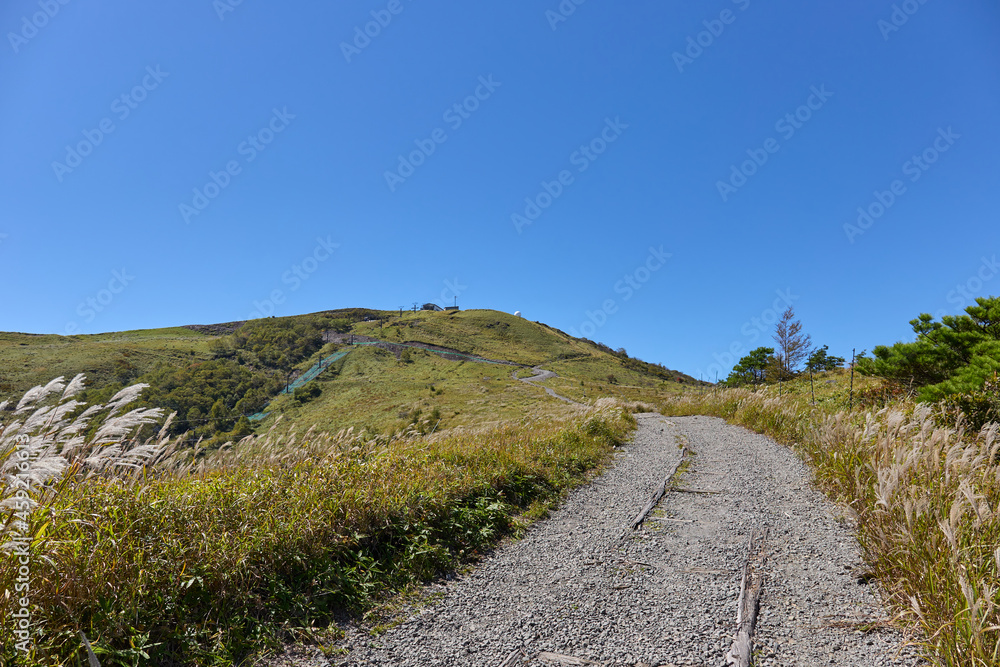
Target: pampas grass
column 48, row 441
column 44, row 452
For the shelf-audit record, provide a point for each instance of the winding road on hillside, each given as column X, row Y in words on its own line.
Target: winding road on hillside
column 540, row 376
column 584, row 588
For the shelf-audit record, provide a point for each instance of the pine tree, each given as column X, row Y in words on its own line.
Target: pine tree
column 820, row 360
column 751, row 369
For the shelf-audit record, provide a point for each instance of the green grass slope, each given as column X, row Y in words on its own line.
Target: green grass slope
column 27, row 360
column 373, row 389
column 486, row 333
column 376, row 390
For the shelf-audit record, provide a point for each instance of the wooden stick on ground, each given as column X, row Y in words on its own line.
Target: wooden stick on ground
column 559, row 659
column 516, row 657
column 659, row 493
column 741, row 652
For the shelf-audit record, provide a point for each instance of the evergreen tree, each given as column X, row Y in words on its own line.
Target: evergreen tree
column 957, row 354
column 819, row 360
column 751, row 369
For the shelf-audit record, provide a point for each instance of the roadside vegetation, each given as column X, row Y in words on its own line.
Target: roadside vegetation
column 207, row 537
column 157, row 553
column 913, row 453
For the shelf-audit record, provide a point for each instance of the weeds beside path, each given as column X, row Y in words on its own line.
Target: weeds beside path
column 207, row 562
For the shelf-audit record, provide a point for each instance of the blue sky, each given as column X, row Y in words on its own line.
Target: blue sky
column 657, row 176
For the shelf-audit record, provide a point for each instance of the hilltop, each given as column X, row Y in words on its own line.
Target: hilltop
column 378, row 371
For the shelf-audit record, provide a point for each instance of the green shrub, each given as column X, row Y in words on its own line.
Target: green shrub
column 307, row 392
column 979, row 406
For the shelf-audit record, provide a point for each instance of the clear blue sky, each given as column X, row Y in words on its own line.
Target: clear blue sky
column 621, row 123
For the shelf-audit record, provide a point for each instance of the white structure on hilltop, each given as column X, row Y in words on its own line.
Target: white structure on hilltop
column 517, row 313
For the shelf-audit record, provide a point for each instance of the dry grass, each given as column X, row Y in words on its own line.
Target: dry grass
column 208, row 560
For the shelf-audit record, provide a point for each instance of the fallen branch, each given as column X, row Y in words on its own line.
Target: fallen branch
column 740, row 654
column 659, row 493
column 516, row 656
column 558, row 659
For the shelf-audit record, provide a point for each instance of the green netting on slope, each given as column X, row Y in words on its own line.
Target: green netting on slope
column 308, row 376
column 317, row 368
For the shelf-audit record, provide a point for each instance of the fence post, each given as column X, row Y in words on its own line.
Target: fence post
column 850, row 404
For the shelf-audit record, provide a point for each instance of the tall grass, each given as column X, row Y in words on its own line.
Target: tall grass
column 926, row 496
column 206, row 560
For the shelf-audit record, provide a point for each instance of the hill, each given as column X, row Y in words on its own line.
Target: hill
column 379, row 371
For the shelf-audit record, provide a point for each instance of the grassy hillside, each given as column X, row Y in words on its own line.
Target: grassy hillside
column 215, row 376
column 381, row 391
column 310, row 523
column 210, row 562
column 27, row 360
column 486, row 333
column 375, row 391
column 313, row 524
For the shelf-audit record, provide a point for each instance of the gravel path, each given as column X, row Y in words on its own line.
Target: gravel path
column 540, row 376
column 666, row 593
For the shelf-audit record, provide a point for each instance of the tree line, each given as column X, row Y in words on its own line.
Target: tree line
column 783, row 362
column 213, row 398
column 954, row 361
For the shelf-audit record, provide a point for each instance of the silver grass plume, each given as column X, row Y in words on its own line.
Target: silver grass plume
column 38, row 448
column 124, row 397
column 39, row 393
column 74, row 387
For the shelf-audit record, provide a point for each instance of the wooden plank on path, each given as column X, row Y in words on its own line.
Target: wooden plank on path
column 558, row 659
column 749, row 602
column 659, row 493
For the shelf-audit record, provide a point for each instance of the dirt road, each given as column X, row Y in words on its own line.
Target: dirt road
column 582, row 589
column 540, row 376
column 574, row 592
